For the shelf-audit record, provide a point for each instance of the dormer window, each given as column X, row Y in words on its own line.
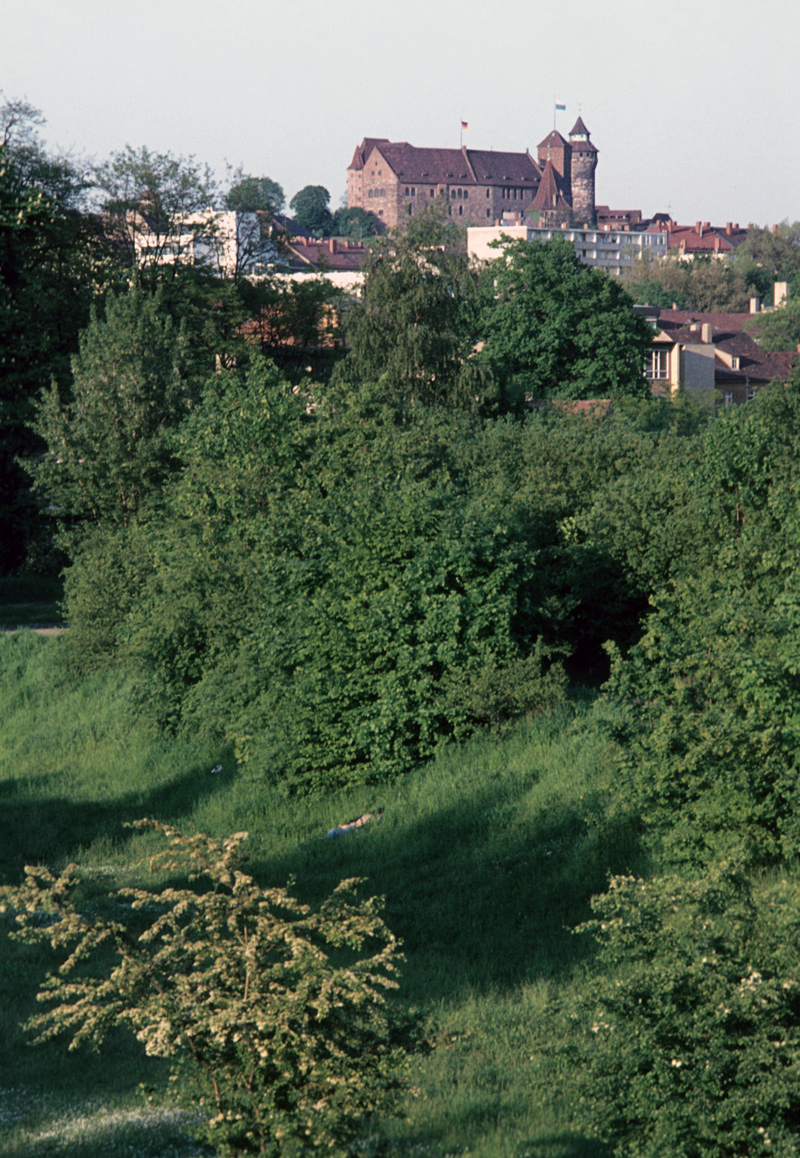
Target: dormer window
column 735, row 362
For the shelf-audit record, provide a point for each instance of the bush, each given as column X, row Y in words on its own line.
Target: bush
column 279, row 1012
column 691, row 1038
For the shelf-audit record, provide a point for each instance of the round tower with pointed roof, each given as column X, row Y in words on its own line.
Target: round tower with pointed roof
column 584, row 163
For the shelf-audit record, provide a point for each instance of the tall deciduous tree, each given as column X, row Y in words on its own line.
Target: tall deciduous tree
column 156, row 202
column 414, row 328
column 54, row 262
column 554, row 328
column 254, row 194
column 107, row 450
column 310, row 208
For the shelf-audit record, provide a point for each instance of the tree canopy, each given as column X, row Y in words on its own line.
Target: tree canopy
column 254, row 194
column 554, row 328
column 310, row 208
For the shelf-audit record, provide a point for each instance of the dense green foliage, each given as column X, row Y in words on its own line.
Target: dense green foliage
column 413, row 328
column 310, row 208
column 356, row 223
column 555, row 329
column 692, row 1035
column 778, row 329
column 704, row 283
column 54, row 264
column 254, row 194
column 318, row 582
column 711, row 689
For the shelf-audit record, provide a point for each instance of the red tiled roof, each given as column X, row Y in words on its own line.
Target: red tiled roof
column 364, row 149
column 550, row 194
column 720, row 323
column 553, row 140
column 330, row 253
column 448, row 166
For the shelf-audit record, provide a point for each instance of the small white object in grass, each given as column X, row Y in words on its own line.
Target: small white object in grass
column 217, row 768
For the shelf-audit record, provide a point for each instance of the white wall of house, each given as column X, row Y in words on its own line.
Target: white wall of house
column 612, row 250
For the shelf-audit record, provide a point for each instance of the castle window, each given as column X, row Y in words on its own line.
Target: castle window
column 466, row 194
column 488, row 194
column 453, row 194
column 408, row 210
column 406, row 190
column 488, row 213
column 460, row 210
column 371, row 193
column 433, row 192
column 460, row 194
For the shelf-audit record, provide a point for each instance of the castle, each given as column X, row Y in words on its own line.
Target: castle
column 395, row 181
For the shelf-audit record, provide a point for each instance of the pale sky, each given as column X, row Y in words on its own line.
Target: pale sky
column 694, row 105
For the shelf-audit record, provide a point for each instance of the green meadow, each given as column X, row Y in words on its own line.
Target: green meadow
column 486, row 858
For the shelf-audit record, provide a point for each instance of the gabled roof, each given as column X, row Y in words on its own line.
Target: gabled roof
column 450, row 166
column 550, row 194
column 553, row 140
column 721, row 323
column 364, row 149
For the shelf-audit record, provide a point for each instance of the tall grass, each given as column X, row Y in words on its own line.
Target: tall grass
column 486, row 857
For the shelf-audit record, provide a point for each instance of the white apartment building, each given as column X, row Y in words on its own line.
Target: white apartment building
column 612, row 250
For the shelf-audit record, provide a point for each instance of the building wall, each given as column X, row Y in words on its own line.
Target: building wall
column 611, row 250
column 583, row 167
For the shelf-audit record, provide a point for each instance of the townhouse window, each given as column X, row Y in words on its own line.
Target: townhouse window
column 657, row 366
column 729, row 398
column 735, row 362
column 750, row 393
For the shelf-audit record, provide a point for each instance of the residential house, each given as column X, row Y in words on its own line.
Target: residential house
column 706, row 352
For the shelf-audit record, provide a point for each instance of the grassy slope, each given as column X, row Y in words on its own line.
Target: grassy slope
column 485, row 857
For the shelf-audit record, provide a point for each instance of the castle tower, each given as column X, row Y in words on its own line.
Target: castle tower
column 558, row 152
column 584, row 163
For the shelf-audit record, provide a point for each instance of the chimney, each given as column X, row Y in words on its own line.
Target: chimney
column 706, row 332
column 780, row 293
column 728, row 228
column 698, row 228
column 755, row 305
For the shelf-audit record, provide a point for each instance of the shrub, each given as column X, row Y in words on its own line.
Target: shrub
column 691, row 1038
column 280, row 1012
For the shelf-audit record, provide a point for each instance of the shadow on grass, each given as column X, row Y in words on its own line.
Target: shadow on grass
column 51, row 830
column 479, row 906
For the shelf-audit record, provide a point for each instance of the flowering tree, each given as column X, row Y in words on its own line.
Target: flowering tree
column 280, row 1011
